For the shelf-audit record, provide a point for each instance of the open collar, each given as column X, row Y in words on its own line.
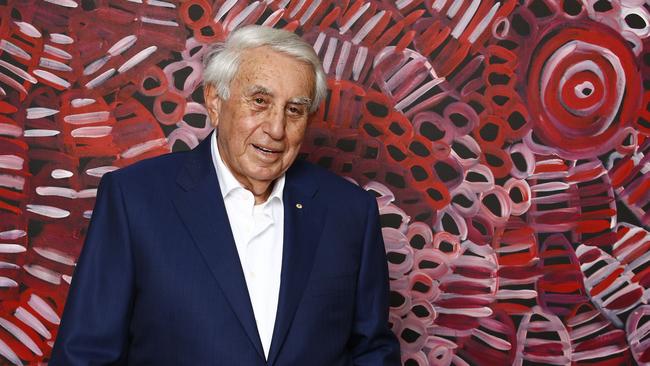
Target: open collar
column 199, row 202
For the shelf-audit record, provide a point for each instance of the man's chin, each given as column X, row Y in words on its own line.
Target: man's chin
column 266, row 175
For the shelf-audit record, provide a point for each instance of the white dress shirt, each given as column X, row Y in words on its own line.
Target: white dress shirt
column 258, row 231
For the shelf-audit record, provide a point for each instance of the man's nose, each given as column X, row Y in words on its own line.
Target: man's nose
column 275, row 123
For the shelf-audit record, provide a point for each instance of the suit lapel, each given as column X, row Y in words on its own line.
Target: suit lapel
column 202, row 210
column 303, row 223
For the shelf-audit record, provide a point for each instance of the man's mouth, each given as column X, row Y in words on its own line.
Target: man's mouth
column 266, row 150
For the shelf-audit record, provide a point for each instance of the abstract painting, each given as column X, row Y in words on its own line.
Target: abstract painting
column 507, row 143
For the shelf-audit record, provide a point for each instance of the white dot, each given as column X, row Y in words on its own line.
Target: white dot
column 584, row 89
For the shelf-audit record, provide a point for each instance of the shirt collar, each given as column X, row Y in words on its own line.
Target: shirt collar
column 227, row 181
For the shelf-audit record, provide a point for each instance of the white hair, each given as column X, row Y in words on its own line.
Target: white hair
column 222, row 63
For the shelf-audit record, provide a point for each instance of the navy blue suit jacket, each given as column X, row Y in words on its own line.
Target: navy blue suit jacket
column 159, row 281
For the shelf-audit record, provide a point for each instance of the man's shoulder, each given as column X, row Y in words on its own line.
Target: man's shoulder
column 331, row 184
column 159, row 168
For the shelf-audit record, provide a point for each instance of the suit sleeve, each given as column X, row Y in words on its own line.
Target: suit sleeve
column 94, row 326
column 372, row 341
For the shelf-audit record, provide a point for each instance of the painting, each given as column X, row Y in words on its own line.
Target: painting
column 507, row 144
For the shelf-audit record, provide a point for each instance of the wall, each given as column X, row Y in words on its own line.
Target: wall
column 506, row 143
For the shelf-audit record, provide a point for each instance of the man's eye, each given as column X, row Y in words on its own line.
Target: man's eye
column 295, row 110
column 259, row 101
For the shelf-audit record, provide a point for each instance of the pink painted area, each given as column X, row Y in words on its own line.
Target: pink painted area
column 506, row 143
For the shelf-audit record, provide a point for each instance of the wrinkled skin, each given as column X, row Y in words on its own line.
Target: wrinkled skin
column 262, row 124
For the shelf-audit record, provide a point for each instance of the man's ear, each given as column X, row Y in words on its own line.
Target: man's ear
column 212, row 103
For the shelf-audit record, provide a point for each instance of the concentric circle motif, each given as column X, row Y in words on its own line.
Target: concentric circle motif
column 583, row 88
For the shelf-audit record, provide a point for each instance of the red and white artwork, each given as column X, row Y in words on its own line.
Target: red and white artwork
column 507, row 143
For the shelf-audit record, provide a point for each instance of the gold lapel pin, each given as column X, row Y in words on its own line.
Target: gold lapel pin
column 298, row 205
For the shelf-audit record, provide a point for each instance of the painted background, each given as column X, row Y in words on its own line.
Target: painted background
column 506, row 141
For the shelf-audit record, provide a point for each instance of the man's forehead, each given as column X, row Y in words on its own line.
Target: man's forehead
column 260, row 68
column 260, row 55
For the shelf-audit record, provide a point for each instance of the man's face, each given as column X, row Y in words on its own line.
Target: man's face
column 262, row 124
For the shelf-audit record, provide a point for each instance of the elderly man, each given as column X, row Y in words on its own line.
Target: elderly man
column 234, row 253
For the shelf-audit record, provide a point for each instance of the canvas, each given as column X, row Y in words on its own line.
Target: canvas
column 506, row 143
